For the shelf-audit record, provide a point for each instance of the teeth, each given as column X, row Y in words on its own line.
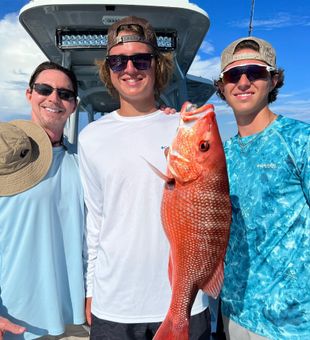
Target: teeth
column 244, row 94
column 52, row 110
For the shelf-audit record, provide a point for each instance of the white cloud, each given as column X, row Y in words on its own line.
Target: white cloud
column 282, row 19
column 206, row 47
column 293, row 106
column 207, row 68
column 18, row 58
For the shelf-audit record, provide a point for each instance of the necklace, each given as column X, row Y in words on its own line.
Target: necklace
column 243, row 146
column 58, row 142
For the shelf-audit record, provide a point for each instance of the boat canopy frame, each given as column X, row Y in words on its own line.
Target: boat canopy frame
column 46, row 21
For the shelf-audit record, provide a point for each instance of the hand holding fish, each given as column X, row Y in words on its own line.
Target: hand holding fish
column 7, row 326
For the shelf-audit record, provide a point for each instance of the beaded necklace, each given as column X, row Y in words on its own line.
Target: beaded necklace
column 243, row 146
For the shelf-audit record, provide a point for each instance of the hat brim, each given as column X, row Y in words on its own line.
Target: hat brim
column 41, row 159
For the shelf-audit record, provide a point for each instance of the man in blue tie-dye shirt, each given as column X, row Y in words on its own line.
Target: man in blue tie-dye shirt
column 266, row 292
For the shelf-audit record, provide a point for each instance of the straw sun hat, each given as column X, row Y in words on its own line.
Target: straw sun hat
column 25, row 156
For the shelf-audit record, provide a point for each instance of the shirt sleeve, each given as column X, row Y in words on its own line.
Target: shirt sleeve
column 93, row 210
column 305, row 170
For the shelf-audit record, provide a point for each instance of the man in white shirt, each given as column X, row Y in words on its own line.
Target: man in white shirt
column 128, row 291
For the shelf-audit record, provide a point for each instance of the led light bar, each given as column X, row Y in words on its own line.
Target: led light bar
column 97, row 39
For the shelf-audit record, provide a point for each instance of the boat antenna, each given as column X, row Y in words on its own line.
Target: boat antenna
column 251, row 18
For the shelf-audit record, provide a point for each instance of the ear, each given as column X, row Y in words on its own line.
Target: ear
column 76, row 103
column 220, row 86
column 274, row 81
column 28, row 94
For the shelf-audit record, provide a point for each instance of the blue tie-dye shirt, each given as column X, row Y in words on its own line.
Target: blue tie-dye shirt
column 267, row 266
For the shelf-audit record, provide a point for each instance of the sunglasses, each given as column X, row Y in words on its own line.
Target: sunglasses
column 252, row 71
column 46, row 90
column 141, row 61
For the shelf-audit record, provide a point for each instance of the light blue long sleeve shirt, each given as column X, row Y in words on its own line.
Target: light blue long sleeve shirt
column 41, row 237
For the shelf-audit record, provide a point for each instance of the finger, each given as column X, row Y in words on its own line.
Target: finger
column 88, row 310
column 169, row 110
column 8, row 326
column 13, row 328
column 188, row 118
column 88, row 317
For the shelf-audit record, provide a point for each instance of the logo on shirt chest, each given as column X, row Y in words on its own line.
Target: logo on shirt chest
column 267, row 166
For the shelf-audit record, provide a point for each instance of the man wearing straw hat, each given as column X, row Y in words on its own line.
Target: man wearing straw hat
column 41, row 216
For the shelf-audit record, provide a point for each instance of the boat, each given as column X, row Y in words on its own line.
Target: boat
column 73, row 33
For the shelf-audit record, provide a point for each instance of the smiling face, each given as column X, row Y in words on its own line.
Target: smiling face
column 134, row 86
column 247, row 98
column 50, row 111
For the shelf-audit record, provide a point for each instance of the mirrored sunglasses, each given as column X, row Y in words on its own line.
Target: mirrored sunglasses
column 46, row 90
column 252, row 71
column 141, row 61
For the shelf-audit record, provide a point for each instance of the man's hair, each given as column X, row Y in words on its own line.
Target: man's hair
column 272, row 96
column 49, row 65
column 163, row 66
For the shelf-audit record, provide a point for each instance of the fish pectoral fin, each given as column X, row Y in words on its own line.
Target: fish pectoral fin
column 213, row 286
column 158, row 172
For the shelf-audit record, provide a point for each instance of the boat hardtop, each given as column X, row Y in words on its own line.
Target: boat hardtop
column 73, row 34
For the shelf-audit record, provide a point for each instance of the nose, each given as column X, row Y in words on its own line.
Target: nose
column 54, row 96
column 244, row 81
column 130, row 68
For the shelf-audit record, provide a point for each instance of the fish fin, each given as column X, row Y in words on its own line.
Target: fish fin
column 158, row 172
column 213, row 286
column 170, row 269
column 171, row 331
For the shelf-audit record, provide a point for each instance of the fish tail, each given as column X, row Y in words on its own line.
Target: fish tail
column 172, row 331
column 213, row 286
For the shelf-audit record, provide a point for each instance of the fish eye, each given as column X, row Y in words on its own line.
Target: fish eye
column 204, row 146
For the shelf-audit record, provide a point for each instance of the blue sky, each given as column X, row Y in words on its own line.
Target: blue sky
column 284, row 23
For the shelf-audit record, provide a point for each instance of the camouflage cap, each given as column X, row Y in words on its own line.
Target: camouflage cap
column 266, row 53
column 149, row 36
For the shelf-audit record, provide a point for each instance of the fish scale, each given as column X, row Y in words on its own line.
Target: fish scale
column 196, row 215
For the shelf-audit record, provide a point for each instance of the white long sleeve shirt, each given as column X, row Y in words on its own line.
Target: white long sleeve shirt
column 127, row 272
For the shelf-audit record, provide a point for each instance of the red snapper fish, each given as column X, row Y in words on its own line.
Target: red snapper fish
column 196, row 215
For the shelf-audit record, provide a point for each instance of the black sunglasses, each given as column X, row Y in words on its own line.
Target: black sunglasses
column 141, row 61
column 46, row 90
column 252, row 71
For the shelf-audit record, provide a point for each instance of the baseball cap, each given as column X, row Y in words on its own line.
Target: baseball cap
column 25, row 156
column 149, row 36
column 266, row 53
